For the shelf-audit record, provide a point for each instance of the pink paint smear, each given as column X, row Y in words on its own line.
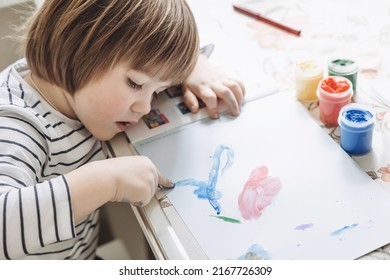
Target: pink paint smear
column 259, row 192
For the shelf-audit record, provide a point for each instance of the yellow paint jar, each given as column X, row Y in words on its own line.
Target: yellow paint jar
column 308, row 73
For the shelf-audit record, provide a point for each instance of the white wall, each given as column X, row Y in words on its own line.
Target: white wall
column 7, row 3
column 10, row 16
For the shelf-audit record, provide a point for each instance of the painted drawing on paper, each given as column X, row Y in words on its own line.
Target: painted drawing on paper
column 259, row 192
column 207, row 189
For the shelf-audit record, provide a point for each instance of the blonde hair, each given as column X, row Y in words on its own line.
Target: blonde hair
column 71, row 42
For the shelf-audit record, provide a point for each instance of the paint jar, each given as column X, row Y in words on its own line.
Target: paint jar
column 356, row 128
column 334, row 92
column 308, row 74
column 346, row 68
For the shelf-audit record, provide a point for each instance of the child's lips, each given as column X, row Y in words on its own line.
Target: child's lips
column 123, row 125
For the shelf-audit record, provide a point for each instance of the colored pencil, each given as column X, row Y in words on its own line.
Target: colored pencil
column 271, row 22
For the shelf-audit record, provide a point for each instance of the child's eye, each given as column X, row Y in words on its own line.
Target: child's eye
column 134, row 85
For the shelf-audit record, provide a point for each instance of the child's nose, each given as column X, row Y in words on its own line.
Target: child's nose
column 142, row 107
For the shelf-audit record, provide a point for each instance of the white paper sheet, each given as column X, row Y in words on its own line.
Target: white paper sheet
column 326, row 208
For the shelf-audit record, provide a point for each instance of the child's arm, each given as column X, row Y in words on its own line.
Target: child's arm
column 132, row 179
column 210, row 85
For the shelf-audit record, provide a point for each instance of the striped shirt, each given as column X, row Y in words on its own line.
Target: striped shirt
column 37, row 146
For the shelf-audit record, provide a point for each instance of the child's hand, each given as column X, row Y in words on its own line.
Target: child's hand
column 208, row 84
column 138, row 180
column 132, row 179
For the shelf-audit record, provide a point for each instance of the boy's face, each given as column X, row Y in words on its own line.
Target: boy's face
column 116, row 100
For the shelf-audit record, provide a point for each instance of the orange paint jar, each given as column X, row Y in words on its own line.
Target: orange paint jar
column 334, row 92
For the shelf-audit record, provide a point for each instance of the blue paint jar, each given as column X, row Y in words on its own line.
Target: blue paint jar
column 356, row 128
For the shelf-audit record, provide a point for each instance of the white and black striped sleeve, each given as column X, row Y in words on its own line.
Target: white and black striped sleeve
column 34, row 212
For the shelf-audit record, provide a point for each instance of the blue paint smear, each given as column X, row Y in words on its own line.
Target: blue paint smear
column 255, row 252
column 341, row 230
column 207, row 190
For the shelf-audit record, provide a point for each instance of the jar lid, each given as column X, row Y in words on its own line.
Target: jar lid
column 356, row 115
column 342, row 66
column 309, row 68
column 334, row 88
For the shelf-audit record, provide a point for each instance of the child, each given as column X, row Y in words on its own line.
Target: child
column 90, row 71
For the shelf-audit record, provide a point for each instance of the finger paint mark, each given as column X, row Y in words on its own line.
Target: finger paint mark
column 304, row 227
column 343, row 229
column 227, row 219
column 207, row 190
column 255, row 252
column 259, row 192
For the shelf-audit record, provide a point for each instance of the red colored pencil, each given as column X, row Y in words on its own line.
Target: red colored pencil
column 266, row 20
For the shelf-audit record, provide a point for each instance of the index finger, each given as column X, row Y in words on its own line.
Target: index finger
column 165, row 182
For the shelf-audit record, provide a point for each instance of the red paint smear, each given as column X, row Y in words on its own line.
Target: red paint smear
column 259, row 192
